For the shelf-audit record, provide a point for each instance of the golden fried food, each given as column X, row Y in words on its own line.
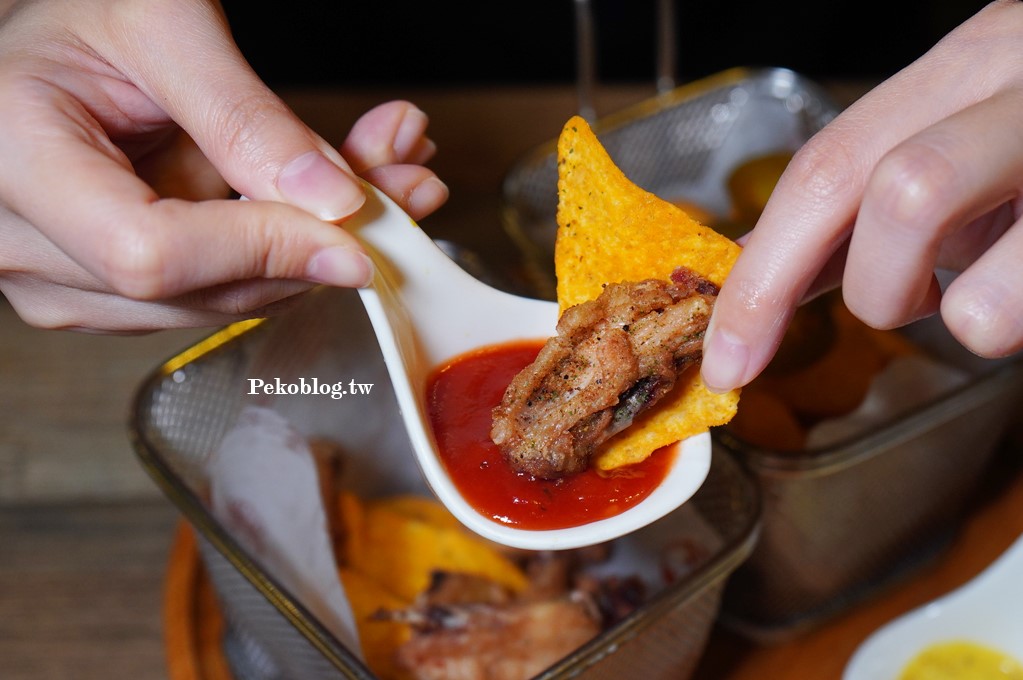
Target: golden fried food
column 611, row 230
column 751, row 183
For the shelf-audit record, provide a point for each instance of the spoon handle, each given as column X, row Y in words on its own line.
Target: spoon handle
column 425, row 295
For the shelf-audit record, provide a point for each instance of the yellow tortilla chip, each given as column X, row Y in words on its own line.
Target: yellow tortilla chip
column 387, row 554
column 401, row 552
column 350, row 520
column 380, row 638
column 611, row 230
column 420, row 508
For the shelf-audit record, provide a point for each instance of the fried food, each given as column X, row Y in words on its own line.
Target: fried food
column 402, row 551
column 751, row 183
column 613, row 358
column 433, row 600
column 467, row 627
column 482, row 641
column 379, row 638
column 611, row 231
column 784, row 403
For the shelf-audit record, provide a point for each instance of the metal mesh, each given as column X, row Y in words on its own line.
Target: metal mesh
column 683, row 144
column 183, row 411
column 841, row 524
column 837, row 524
column 260, row 644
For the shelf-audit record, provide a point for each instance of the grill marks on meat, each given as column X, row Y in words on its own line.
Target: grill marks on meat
column 477, row 641
column 466, row 627
column 612, row 359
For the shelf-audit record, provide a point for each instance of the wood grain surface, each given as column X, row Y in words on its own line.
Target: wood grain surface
column 80, row 590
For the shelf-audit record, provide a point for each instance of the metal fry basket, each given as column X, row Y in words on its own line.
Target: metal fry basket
column 185, row 407
column 843, row 522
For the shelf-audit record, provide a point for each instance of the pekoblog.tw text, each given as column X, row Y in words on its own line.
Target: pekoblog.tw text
column 335, row 390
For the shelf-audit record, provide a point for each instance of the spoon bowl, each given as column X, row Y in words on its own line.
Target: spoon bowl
column 985, row 611
column 425, row 311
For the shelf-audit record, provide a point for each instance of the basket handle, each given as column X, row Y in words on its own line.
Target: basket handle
column 586, row 53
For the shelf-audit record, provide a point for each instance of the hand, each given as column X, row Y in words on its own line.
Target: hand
column 122, row 127
column 923, row 173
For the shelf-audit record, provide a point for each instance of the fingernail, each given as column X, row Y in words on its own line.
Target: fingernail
column 410, row 130
column 429, row 195
column 725, row 359
column 340, row 266
column 313, row 183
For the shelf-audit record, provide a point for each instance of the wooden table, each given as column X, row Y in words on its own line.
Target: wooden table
column 85, row 536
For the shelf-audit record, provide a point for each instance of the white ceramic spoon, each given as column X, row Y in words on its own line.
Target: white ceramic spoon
column 425, row 311
column 986, row 611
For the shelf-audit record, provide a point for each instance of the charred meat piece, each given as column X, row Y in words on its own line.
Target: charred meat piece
column 468, row 627
column 450, row 588
column 494, row 642
column 613, row 358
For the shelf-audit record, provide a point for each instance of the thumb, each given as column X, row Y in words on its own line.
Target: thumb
column 189, row 64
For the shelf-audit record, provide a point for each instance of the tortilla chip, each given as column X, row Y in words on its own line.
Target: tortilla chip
column 402, row 552
column 350, row 521
column 380, row 639
column 610, row 230
column 420, row 508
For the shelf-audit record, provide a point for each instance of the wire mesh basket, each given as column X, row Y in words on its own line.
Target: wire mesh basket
column 183, row 410
column 844, row 521
column 840, row 522
column 682, row 144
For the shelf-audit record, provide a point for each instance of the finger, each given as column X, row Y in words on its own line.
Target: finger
column 924, row 190
column 981, row 307
column 804, row 224
column 182, row 56
column 388, row 134
column 244, row 299
column 415, row 188
column 178, row 169
column 812, row 209
column 147, row 248
column 57, row 307
column 227, row 241
column 962, row 247
column 61, row 174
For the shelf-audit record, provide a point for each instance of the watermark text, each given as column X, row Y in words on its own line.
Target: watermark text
column 335, row 390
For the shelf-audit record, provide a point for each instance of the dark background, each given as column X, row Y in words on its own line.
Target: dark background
column 533, row 41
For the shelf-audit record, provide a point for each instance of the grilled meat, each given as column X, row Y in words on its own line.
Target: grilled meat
column 613, row 358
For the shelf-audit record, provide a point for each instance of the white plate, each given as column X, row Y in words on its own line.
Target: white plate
column 988, row 610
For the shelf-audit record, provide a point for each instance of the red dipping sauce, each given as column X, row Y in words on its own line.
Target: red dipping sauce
column 461, row 396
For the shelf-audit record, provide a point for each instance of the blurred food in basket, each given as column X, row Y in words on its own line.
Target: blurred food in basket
column 682, row 146
column 830, row 364
column 434, row 601
column 751, row 182
column 835, row 377
column 245, row 477
column 854, row 500
column 748, row 185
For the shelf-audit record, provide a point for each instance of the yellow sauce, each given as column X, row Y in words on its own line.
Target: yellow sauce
column 961, row 660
